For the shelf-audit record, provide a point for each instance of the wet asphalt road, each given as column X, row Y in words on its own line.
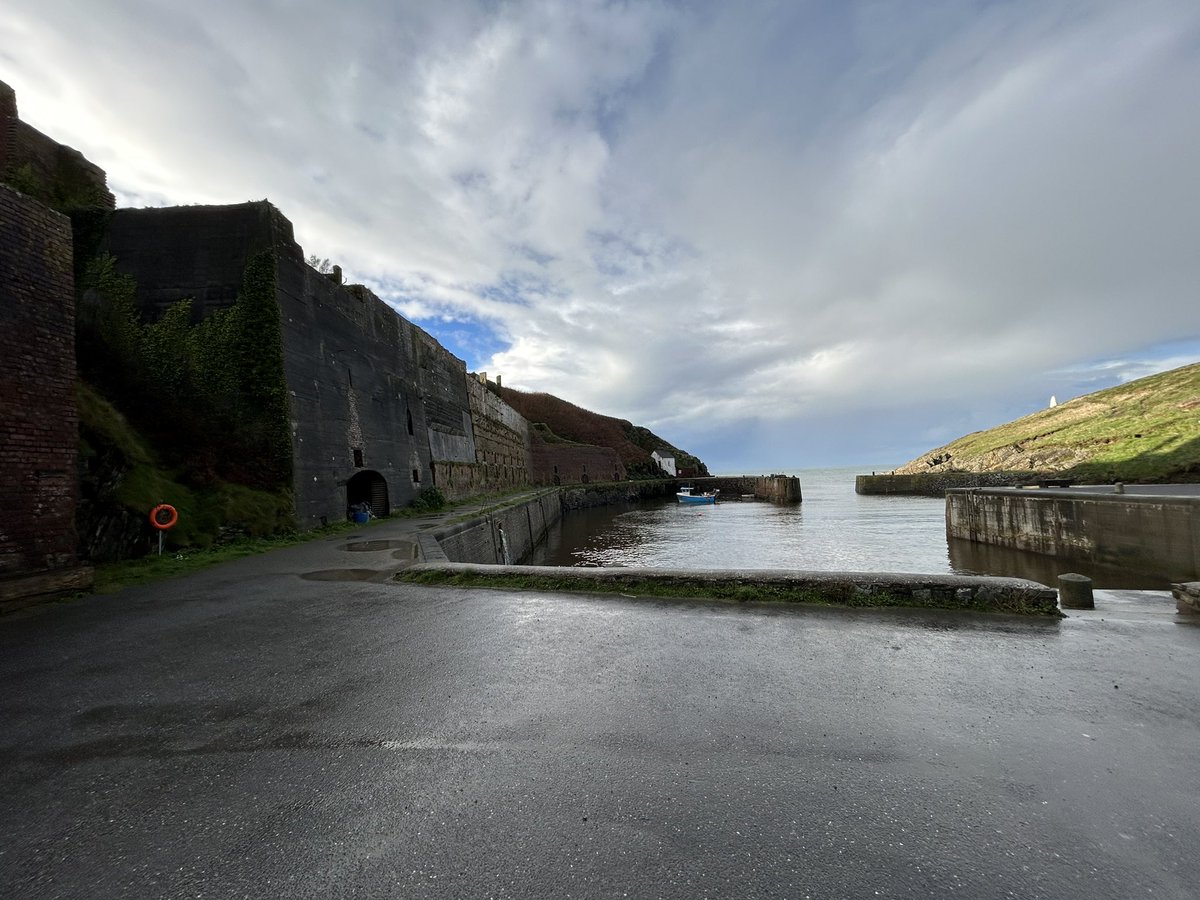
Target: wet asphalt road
column 247, row 732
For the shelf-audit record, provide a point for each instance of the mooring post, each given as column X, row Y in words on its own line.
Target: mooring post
column 1075, row 592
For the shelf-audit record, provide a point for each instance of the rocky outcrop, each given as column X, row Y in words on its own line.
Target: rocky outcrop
column 1187, row 597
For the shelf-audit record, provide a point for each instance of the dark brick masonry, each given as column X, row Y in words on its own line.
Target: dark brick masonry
column 38, row 422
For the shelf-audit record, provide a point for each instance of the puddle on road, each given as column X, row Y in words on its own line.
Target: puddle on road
column 346, row 575
column 368, row 546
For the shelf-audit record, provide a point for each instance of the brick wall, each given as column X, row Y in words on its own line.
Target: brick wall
column 64, row 176
column 574, row 463
column 39, row 487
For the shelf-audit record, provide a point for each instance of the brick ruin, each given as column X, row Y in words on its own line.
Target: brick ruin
column 39, row 441
column 44, row 169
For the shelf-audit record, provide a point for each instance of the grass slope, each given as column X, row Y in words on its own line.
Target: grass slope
column 1144, row 431
column 565, row 421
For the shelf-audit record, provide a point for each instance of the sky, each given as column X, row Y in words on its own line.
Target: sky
column 779, row 234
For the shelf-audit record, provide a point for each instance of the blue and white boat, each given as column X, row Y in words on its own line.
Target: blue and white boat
column 685, row 495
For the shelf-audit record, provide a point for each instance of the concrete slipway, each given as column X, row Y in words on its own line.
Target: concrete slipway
column 267, row 728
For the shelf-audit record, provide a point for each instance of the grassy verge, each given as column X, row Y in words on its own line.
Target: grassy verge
column 116, row 576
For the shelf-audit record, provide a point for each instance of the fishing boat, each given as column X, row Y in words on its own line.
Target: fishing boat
column 685, row 495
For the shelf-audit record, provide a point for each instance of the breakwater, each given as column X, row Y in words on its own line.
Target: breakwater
column 1153, row 529
column 773, row 488
column 935, row 484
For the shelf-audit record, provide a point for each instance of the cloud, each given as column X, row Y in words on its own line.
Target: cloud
column 740, row 225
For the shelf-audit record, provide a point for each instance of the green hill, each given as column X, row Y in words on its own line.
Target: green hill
column 557, row 419
column 1143, row 431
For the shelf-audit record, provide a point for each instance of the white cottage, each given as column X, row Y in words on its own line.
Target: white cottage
column 664, row 462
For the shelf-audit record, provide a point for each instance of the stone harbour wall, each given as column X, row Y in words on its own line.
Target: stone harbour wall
column 505, row 536
column 773, row 488
column 1157, row 534
column 935, row 484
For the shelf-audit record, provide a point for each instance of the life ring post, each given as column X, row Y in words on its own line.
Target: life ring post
column 163, row 517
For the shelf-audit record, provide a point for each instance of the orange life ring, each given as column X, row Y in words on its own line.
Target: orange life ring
column 161, row 523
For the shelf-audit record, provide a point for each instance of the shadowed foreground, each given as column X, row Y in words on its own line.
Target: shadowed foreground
column 249, row 732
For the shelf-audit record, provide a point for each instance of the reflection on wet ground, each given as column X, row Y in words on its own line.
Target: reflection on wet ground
column 346, row 575
column 971, row 558
column 369, row 546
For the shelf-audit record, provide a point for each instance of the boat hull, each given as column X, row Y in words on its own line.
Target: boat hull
column 696, row 498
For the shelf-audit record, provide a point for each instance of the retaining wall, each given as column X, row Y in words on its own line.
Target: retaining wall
column 1157, row 534
column 503, row 537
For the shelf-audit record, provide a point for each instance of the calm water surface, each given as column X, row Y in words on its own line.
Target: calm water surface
column 833, row 529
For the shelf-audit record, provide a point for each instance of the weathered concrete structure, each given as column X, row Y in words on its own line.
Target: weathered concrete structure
column 39, row 440
column 380, row 410
column 1147, row 528
column 505, row 536
column 935, row 484
column 967, row 592
column 775, row 488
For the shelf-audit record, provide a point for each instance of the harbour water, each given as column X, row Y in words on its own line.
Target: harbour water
column 833, row 529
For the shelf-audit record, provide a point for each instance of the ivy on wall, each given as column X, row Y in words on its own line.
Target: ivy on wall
column 211, row 396
column 67, row 186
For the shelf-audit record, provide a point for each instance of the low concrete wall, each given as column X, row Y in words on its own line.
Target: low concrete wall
column 506, row 535
column 775, row 488
column 935, row 484
column 1156, row 533
column 979, row 593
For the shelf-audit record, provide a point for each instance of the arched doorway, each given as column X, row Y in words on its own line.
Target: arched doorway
column 369, row 487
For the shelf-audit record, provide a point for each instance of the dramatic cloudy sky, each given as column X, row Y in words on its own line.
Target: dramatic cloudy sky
column 778, row 233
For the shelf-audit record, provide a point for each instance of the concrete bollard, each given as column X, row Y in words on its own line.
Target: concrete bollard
column 1075, row 592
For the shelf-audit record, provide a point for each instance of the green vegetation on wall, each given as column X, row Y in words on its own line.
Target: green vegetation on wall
column 121, row 472
column 69, row 187
column 203, row 421
column 210, row 396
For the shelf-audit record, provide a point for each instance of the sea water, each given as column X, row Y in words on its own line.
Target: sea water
column 833, row 529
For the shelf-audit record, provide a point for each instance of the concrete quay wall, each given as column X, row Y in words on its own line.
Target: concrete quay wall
column 775, row 488
column 1157, row 533
column 503, row 536
column 935, row 484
